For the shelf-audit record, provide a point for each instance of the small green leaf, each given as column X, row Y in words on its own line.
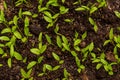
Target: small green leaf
column 6, row 30
column 77, row 42
column 93, row 55
column 35, row 15
column 82, row 8
column 23, row 73
column 117, row 14
column 9, row 62
column 74, row 53
column 1, row 51
column 56, row 16
column 18, row 56
column 44, row 47
column 41, row 74
column 40, row 37
column 26, row 22
column 48, row 39
column 48, row 14
column 56, row 57
column 56, row 68
column 111, row 35
column 31, row 64
column 95, row 28
column 84, row 35
column 64, row 39
column 106, row 68
column 4, row 38
column 18, row 35
column 4, row 4
column 102, row 56
column 66, row 46
column 110, row 73
column 15, row 19
column 48, row 19
column 91, row 46
column 27, row 13
column 20, row 13
column 59, row 42
column 40, row 59
column 118, row 45
column 77, row 48
column 91, row 21
column 29, row 73
column 96, row 60
column 12, row 50
column 42, row 9
column 93, row 9
column 104, row 61
column 98, row 66
column 35, row 51
column 48, row 67
column 1, row 65
column 66, row 74
column 106, row 42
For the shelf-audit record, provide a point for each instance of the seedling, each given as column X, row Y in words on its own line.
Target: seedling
column 49, row 18
column 92, row 22
column 57, row 58
column 19, row 2
column 117, row 14
column 102, row 62
column 41, row 48
column 66, row 74
column 49, row 68
column 26, row 75
column 111, row 36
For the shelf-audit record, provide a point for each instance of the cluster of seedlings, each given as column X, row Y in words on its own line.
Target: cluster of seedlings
column 13, row 32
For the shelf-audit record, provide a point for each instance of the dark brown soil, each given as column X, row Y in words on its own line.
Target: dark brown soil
column 105, row 19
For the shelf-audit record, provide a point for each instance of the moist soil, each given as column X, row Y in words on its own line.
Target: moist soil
column 105, row 19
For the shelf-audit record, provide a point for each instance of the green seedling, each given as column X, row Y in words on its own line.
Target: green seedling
column 2, row 18
column 9, row 62
column 48, row 39
column 65, row 44
column 49, row 68
column 1, row 65
column 92, row 22
column 41, row 48
column 69, row 20
column 26, row 75
column 102, row 62
column 91, row 10
column 117, row 14
column 57, row 58
column 87, row 50
column 52, row 3
column 19, row 2
column 31, row 64
column 56, row 29
column 66, row 74
column 111, row 37
column 63, row 10
column 5, row 5
column 102, row 3
column 49, row 18
column 77, row 60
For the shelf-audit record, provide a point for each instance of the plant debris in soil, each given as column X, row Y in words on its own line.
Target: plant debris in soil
column 59, row 40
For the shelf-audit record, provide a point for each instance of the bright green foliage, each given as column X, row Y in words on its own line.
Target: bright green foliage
column 31, row 64
column 117, row 14
column 26, row 75
column 92, row 22
column 102, row 62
